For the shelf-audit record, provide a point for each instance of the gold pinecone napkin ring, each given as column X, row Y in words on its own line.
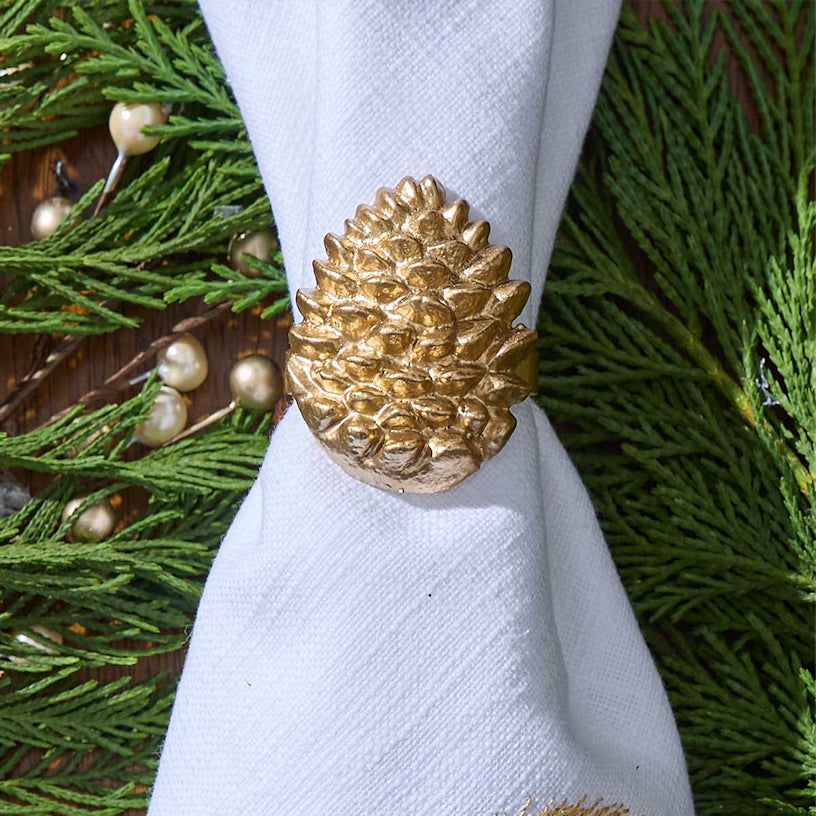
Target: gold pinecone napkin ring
column 404, row 366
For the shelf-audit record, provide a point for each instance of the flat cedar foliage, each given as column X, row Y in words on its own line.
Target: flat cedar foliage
column 678, row 360
column 678, row 351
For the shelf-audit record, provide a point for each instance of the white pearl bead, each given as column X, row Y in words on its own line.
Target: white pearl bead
column 95, row 523
column 256, row 382
column 260, row 243
column 48, row 215
column 167, row 417
column 183, row 364
column 126, row 123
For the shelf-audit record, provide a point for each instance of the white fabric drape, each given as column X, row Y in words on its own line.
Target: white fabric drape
column 361, row 652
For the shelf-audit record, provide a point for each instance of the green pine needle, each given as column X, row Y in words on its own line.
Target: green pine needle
column 678, row 348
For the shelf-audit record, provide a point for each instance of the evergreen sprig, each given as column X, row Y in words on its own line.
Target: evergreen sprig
column 679, row 362
column 70, row 743
column 156, row 242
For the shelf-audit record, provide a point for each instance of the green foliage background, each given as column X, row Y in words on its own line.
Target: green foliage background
column 678, row 342
column 684, row 274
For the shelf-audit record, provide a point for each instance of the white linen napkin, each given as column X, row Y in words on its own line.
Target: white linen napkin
column 357, row 651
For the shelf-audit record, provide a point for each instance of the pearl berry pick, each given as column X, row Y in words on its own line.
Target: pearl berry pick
column 256, row 383
column 48, row 215
column 125, row 125
column 165, row 420
column 94, row 523
column 41, row 633
column 183, row 364
column 260, row 243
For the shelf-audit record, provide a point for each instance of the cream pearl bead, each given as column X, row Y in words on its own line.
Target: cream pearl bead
column 48, row 215
column 260, row 243
column 183, row 364
column 93, row 524
column 256, row 382
column 167, row 417
column 126, row 123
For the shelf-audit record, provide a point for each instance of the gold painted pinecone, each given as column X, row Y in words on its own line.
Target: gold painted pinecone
column 404, row 363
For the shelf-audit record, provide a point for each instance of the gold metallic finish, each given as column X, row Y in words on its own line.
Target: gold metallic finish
column 256, row 382
column 580, row 808
column 527, row 369
column 404, row 366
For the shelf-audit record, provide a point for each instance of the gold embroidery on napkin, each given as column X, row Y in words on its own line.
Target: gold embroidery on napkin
column 580, row 808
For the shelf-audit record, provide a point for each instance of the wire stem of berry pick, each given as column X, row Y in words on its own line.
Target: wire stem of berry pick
column 208, row 420
column 112, row 183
